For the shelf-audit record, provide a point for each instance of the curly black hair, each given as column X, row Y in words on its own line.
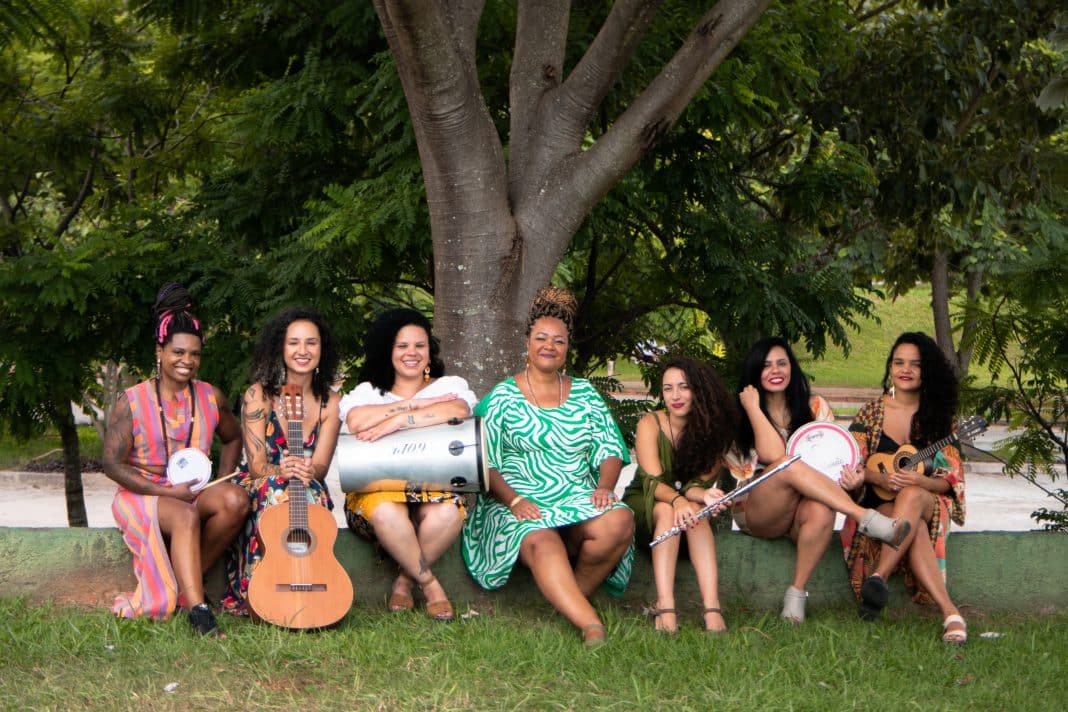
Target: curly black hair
column 268, row 368
column 798, row 394
column 378, row 366
column 939, row 389
column 173, row 314
column 711, row 423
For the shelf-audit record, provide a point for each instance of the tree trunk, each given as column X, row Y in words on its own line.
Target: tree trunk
column 499, row 230
column 975, row 283
column 940, row 308
column 72, row 464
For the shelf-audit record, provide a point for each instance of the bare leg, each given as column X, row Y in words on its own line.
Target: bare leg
column 811, row 532
column 914, row 505
column 436, row 525
column 665, row 558
column 180, row 523
column 223, row 510
column 600, row 543
column 770, row 508
column 544, row 553
column 928, row 574
column 702, row 546
column 396, row 534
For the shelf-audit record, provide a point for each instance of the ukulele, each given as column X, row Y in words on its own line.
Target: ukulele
column 299, row 583
column 908, row 458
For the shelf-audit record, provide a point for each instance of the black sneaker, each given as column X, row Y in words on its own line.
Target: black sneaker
column 203, row 620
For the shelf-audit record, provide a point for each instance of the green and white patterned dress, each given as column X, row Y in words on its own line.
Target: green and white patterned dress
column 552, row 457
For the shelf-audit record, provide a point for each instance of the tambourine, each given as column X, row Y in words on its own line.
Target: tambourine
column 825, row 447
column 189, row 465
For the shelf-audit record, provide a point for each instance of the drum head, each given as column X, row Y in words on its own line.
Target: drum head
column 825, row 447
column 189, row 465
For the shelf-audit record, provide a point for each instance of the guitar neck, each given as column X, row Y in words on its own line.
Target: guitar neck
column 298, row 500
column 930, row 450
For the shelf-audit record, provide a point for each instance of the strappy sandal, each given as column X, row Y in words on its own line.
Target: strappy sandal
column 400, row 602
column 954, row 637
column 874, row 594
column 655, row 613
column 438, row 610
column 877, row 525
column 594, row 635
column 793, row 605
column 203, row 621
column 715, row 631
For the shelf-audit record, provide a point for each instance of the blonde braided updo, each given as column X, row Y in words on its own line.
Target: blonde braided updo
column 555, row 302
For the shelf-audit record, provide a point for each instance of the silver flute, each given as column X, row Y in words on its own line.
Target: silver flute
column 707, row 511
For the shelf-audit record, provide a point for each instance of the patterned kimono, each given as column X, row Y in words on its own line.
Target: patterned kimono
column 137, row 515
column 551, row 456
column 246, row 551
column 861, row 552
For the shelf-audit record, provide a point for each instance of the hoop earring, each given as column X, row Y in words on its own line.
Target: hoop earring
column 426, row 375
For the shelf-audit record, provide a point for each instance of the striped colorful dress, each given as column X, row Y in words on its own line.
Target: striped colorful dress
column 137, row 515
column 550, row 456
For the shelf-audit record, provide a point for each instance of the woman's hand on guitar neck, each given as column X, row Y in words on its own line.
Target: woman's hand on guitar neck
column 299, row 467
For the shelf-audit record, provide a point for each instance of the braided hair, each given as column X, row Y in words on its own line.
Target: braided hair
column 173, row 314
column 710, row 425
column 268, row 364
column 555, row 302
column 939, row 389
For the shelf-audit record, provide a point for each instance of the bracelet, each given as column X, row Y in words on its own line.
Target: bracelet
column 517, row 498
column 672, row 502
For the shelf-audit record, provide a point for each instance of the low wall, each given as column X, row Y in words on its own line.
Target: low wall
column 1020, row 571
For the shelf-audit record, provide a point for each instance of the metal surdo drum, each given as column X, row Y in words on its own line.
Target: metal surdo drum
column 444, row 457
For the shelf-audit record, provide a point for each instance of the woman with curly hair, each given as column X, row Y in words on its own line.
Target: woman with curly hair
column 174, row 532
column 680, row 452
column 404, row 386
column 555, row 454
column 799, row 502
column 918, row 405
column 296, row 347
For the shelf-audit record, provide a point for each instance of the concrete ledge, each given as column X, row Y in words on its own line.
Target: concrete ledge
column 1020, row 571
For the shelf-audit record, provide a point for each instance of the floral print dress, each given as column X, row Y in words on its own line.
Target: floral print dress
column 264, row 492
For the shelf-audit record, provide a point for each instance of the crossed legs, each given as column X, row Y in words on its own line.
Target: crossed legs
column 416, row 538
column 597, row 546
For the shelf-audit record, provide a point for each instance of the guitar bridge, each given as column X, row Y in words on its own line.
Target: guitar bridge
column 299, row 587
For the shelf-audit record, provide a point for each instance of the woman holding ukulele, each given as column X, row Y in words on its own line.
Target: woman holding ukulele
column 680, row 451
column 920, row 395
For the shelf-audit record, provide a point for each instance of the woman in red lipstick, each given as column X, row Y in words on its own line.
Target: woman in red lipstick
column 680, row 452
column 920, row 395
column 799, row 502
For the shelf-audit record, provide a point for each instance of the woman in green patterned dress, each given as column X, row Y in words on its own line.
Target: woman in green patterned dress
column 555, row 454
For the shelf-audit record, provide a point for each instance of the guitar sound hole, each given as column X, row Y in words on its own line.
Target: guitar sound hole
column 298, row 542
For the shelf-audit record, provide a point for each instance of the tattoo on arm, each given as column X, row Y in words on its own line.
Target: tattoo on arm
column 411, row 420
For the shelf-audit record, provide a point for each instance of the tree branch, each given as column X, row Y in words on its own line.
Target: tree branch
column 79, row 200
column 656, row 109
column 537, row 67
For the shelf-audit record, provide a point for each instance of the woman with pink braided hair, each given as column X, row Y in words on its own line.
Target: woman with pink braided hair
column 174, row 531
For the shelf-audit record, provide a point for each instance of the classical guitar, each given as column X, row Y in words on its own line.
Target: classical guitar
column 298, row 583
column 908, row 457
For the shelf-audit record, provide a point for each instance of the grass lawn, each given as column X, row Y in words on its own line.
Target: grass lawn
column 14, row 452
column 64, row 658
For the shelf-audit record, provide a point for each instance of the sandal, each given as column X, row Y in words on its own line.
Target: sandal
column 877, row 525
column 203, row 621
column 655, row 613
column 958, row 636
column 438, row 610
column 594, row 635
column 874, row 594
column 400, row 602
column 793, row 605
column 715, row 631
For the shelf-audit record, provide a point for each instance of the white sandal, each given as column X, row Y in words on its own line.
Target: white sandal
column 793, row 605
column 956, row 637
